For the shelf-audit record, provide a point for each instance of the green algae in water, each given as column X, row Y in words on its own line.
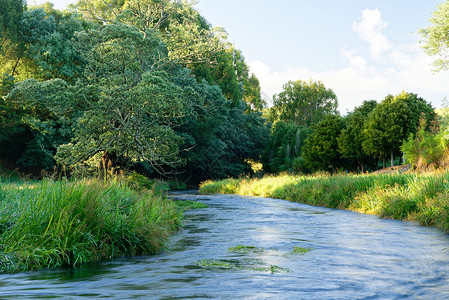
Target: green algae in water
column 273, row 269
column 246, row 249
column 216, row 263
column 300, row 250
column 249, row 264
column 187, row 204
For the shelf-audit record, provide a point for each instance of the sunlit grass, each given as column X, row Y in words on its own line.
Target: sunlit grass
column 52, row 224
column 423, row 197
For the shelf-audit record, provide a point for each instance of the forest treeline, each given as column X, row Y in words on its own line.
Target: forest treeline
column 150, row 85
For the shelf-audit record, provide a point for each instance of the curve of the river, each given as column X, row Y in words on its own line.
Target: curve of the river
column 352, row 256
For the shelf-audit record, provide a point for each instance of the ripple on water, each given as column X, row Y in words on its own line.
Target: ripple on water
column 354, row 256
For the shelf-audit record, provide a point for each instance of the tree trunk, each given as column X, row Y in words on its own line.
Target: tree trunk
column 361, row 166
column 384, row 162
column 392, row 158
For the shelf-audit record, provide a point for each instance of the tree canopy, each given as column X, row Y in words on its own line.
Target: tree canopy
column 352, row 136
column 391, row 122
column 436, row 39
column 121, row 82
column 304, row 103
column 321, row 148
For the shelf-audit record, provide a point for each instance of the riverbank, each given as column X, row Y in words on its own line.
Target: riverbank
column 422, row 197
column 50, row 224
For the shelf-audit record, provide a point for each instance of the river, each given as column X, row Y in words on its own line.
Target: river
column 339, row 255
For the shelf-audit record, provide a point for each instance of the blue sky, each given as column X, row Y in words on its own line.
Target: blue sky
column 362, row 49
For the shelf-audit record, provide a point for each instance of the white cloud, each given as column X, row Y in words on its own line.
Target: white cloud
column 370, row 30
column 405, row 68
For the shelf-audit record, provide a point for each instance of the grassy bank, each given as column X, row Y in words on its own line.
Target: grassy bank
column 51, row 224
column 404, row 196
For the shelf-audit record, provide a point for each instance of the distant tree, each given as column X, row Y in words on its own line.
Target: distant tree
column 284, row 147
column 391, row 122
column 436, row 38
column 304, row 103
column 321, row 148
column 352, row 136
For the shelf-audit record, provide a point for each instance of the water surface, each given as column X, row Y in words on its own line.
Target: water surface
column 353, row 256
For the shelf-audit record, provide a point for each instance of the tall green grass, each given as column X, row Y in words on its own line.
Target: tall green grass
column 53, row 224
column 422, row 197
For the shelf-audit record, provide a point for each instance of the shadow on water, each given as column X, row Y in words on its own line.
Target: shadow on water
column 249, row 247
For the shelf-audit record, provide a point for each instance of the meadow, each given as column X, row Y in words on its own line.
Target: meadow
column 46, row 224
column 422, row 197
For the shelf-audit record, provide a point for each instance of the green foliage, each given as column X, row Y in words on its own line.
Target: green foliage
column 78, row 90
column 36, row 107
column 140, row 182
column 436, row 41
column 321, row 149
column 426, row 148
column 304, row 103
column 352, row 136
column 11, row 12
column 188, row 37
column 284, row 148
column 57, row 224
column 230, row 72
column 252, row 93
column 219, row 135
column 392, row 121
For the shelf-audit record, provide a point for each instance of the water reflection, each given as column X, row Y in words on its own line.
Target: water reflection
column 354, row 256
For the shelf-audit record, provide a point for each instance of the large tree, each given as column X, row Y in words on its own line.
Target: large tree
column 391, row 122
column 122, row 89
column 351, row 138
column 321, row 149
column 436, row 38
column 304, row 103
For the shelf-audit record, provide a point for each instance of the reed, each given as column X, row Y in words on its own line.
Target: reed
column 52, row 224
column 422, row 197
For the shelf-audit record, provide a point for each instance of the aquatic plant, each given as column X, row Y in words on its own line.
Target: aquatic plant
column 249, row 264
column 300, row 250
column 246, row 249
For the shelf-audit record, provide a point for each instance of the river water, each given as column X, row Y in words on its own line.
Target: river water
column 349, row 256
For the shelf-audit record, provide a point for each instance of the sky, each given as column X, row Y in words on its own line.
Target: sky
column 361, row 49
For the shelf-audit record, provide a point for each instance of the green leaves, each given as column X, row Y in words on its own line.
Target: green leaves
column 120, row 87
column 304, row 103
column 135, row 121
column 321, row 148
column 392, row 121
column 436, row 40
column 352, row 136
